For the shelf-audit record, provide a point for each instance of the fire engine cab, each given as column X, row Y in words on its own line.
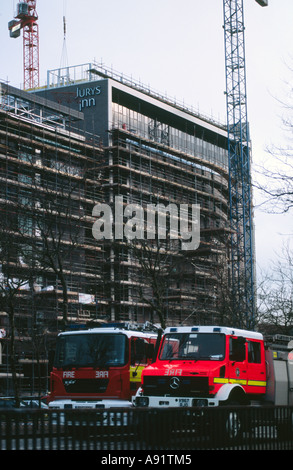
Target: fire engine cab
column 212, row 366
column 99, row 367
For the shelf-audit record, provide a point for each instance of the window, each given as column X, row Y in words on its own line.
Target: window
column 254, row 352
column 196, row 346
column 91, row 350
column 237, row 349
column 138, row 351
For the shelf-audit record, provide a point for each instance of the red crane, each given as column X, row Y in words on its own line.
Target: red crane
column 26, row 15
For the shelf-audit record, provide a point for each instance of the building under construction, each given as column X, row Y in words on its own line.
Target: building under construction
column 156, row 152
column 94, row 137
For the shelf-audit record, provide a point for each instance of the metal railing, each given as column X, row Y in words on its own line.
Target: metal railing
column 245, row 428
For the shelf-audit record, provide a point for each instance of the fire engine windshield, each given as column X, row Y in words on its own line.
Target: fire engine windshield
column 193, row 346
column 90, row 350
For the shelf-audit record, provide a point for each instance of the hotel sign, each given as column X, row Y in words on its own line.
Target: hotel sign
column 86, row 97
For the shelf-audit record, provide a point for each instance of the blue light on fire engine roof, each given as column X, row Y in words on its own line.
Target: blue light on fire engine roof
column 172, row 330
column 217, row 330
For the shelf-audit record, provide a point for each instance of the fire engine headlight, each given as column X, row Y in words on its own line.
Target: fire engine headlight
column 142, row 401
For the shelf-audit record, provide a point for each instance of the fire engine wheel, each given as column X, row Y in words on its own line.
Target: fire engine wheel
column 232, row 426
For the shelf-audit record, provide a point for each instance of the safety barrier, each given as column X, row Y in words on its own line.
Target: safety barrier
column 244, row 428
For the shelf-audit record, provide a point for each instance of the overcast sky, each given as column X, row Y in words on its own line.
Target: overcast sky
column 176, row 48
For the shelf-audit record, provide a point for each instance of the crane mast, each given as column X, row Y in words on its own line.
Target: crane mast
column 239, row 153
column 26, row 19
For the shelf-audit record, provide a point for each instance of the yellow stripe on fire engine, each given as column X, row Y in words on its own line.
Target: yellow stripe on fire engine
column 257, row 383
column 238, row 381
column 217, row 380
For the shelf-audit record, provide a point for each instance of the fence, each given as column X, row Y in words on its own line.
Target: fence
column 245, row 428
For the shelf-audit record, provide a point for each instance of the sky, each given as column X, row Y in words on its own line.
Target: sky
column 176, row 48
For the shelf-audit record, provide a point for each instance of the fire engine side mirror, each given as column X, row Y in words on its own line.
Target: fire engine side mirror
column 150, row 351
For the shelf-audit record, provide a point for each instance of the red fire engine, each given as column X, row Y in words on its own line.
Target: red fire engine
column 212, row 366
column 99, row 367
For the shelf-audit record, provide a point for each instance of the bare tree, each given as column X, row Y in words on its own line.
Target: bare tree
column 13, row 278
column 274, row 178
column 158, row 264
column 275, row 292
column 277, row 184
column 54, row 216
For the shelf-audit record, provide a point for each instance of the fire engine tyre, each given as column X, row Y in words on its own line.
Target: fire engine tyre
column 232, row 426
column 232, row 429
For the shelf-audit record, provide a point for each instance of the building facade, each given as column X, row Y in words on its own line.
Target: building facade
column 157, row 152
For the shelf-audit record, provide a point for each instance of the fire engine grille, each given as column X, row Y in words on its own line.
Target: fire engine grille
column 86, row 385
column 176, row 386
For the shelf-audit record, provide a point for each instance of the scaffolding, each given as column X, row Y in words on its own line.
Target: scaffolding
column 143, row 172
column 160, row 151
column 50, row 180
